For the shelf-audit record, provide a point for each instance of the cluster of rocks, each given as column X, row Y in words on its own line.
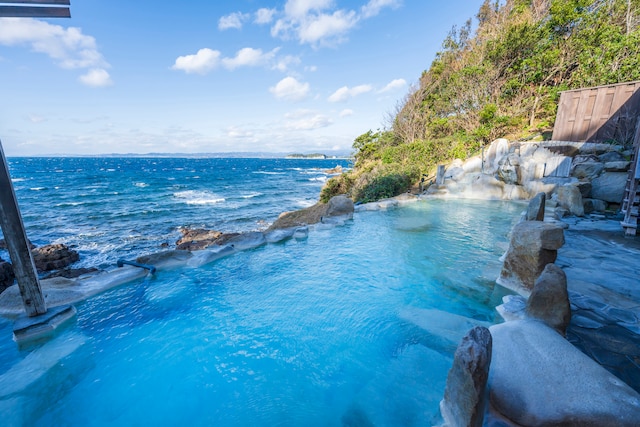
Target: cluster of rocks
column 578, row 178
column 525, row 368
column 46, row 258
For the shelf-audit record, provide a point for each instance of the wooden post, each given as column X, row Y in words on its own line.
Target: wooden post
column 17, row 244
column 440, row 175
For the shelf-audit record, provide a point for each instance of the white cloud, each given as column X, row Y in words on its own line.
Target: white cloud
column 290, row 89
column 300, row 8
column 283, row 63
column 249, row 57
column 393, row 85
column 96, row 77
column 233, row 21
column 68, row 47
column 345, row 93
column 306, row 120
column 239, row 133
column 264, row 16
column 35, row 118
column 320, row 23
column 327, row 29
column 346, row 112
column 202, row 62
column 375, row 6
column 311, row 68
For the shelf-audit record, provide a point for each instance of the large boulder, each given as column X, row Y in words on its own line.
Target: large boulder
column 340, row 206
column 609, row 186
column 588, row 170
column 594, row 205
column 6, row 275
column 570, row 198
column 533, row 245
column 465, row 392
column 54, row 257
column 508, row 169
column 197, row 238
column 537, row 378
column 549, row 300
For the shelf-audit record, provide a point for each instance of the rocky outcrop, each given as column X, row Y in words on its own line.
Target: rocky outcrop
column 537, row 378
column 197, row 238
column 519, row 170
column 6, row 275
column 54, row 257
column 465, row 392
column 338, row 206
column 533, row 245
column 549, row 299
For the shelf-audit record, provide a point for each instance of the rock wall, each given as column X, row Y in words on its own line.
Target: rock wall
column 579, row 178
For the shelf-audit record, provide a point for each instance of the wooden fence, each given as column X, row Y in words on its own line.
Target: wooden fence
column 598, row 114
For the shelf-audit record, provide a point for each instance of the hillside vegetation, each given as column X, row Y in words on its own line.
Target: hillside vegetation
column 503, row 79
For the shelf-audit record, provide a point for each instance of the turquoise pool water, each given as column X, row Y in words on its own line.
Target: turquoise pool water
column 356, row 325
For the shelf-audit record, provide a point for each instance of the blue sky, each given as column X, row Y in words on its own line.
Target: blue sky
column 213, row 76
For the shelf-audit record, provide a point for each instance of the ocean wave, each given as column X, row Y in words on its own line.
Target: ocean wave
column 194, row 197
column 268, row 173
column 250, row 195
column 140, row 184
column 319, row 179
column 38, row 188
column 18, row 179
column 305, row 203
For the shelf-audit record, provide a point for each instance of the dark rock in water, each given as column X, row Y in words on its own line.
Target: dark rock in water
column 549, row 300
column 6, row 275
column 72, row 273
column 465, row 393
column 337, row 206
column 3, row 244
column 533, row 245
column 54, row 257
column 535, row 209
column 196, row 239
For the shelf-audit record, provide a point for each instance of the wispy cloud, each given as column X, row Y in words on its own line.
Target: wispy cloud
column 264, row 16
column 394, row 85
column 346, row 112
column 374, row 7
column 290, row 89
column 345, row 93
column 68, row 47
column 206, row 60
column 306, row 120
column 233, row 21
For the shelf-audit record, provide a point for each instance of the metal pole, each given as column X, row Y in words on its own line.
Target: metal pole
column 16, row 240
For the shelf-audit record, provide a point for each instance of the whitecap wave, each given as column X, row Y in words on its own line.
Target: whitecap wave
column 38, row 188
column 268, row 173
column 305, row 203
column 250, row 195
column 318, row 179
column 194, row 197
column 140, row 184
column 17, row 179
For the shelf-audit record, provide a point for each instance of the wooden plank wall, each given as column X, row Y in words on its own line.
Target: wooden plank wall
column 598, row 114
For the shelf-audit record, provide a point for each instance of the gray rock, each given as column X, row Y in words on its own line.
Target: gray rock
column 584, row 187
column 537, row 378
column 622, row 166
column 54, row 257
column 465, row 392
column 166, row 259
column 533, row 245
column 535, row 209
column 569, row 197
column 508, row 169
column 339, row 206
column 594, row 205
column 609, row 186
column 279, row 235
column 588, row 170
column 248, row 240
column 549, row 300
column 611, row 156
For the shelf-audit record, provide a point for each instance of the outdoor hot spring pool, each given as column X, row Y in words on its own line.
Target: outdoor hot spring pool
column 355, row 325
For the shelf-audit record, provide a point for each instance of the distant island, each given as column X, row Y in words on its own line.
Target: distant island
column 307, row 156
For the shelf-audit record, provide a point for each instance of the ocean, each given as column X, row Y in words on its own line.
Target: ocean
column 108, row 208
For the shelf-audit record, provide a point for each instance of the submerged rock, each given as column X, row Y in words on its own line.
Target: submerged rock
column 465, row 393
column 54, row 257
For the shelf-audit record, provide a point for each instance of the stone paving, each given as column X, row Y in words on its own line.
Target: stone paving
column 603, row 274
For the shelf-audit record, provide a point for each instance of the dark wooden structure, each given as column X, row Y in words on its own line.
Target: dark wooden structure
column 631, row 201
column 599, row 114
column 35, row 9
